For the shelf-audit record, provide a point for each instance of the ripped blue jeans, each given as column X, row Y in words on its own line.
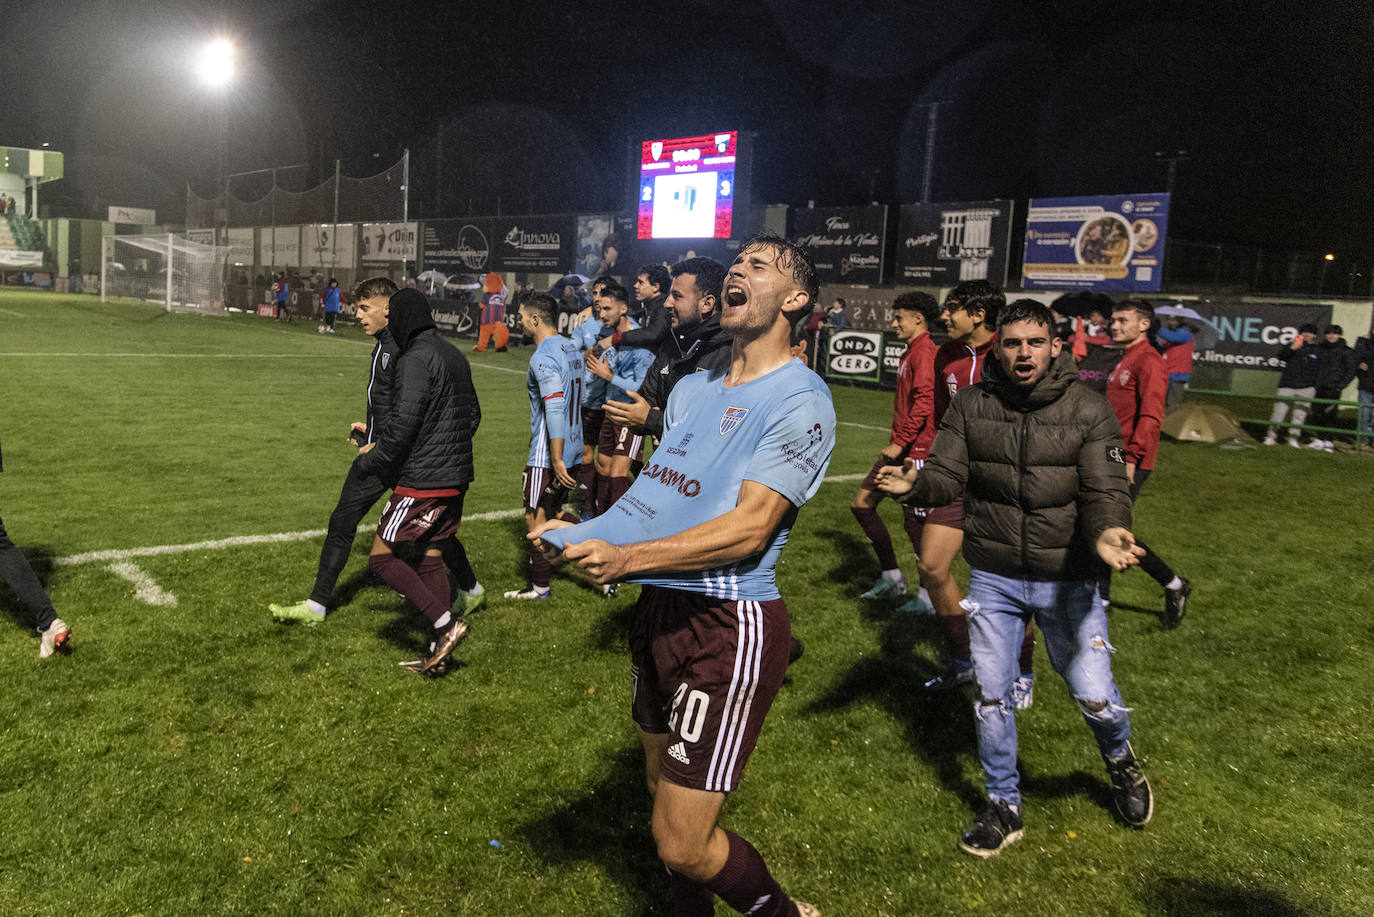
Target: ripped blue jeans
column 1075, row 628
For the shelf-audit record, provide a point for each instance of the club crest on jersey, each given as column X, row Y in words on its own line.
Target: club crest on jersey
column 732, row 418
column 386, row 360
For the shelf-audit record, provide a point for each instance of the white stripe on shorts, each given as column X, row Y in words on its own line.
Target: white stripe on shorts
column 738, row 700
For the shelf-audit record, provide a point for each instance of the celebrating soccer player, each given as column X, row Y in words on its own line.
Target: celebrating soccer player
column 555, row 388
column 702, row 528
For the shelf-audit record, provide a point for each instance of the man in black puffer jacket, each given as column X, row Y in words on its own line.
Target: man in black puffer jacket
column 424, row 452
column 1038, row 459
column 697, row 343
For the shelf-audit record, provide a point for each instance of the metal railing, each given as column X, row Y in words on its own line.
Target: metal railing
column 1364, row 438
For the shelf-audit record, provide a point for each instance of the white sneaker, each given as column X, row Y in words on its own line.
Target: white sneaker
column 1271, row 440
column 530, row 593
column 1293, row 441
column 1316, row 444
column 886, row 589
column 56, row 639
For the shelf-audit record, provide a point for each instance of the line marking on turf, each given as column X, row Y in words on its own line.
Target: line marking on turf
column 145, row 589
column 862, row 426
column 13, row 314
column 196, row 356
column 499, row 369
column 239, row 541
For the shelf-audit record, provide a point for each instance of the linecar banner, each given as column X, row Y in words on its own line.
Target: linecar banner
column 845, row 242
column 1251, row 334
column 944, row 244
column 1112, row 242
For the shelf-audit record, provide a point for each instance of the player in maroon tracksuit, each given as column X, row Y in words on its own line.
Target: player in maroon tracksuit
column 1137, row 389
column 913, row 430
column 970, row 317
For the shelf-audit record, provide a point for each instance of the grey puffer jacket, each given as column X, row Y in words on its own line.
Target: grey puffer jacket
column 1042, row 473
column 425, row 440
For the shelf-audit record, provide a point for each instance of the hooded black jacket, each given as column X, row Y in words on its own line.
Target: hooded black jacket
column 380, row 381
column 705, row 347
column 1042, row 473
column 655, row 329
column 425, row 440
column 1301, row 365
column 1336, row 367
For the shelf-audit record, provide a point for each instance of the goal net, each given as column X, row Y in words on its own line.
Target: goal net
column 173, row 271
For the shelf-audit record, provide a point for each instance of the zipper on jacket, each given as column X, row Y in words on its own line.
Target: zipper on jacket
column 1021, row 490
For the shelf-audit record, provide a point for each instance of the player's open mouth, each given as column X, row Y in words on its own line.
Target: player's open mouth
column 1024, row 370
column 735, row 297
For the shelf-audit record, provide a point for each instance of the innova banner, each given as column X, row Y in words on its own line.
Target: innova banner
column 846, row 242
column 1111, row 242
column 944, row 244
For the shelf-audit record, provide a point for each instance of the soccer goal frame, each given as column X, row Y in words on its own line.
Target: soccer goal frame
column 171, row 270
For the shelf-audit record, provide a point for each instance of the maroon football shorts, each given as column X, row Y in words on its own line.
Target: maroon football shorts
column 705, row 671
column 425, row 519
column 543, row 490
column 616, row 439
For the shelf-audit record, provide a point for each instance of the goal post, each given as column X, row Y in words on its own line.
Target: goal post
column 173, row 271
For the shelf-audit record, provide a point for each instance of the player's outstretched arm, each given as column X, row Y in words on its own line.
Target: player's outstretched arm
column 896, row 479
column 740, row 533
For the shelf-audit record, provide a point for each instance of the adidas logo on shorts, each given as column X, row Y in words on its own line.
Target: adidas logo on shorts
column 679, row 753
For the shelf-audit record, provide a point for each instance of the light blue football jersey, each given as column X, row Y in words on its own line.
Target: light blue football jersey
column 585, row 336
column 777, row 430
column 555, row 386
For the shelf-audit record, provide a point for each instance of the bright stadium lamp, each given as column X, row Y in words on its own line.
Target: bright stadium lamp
column 216, row 63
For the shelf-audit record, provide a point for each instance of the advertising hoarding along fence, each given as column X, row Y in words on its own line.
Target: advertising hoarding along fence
column 386, row 243
column 846, row 243
column 943, row 244
column 1109, row 242
column 855, row 356
column 538, row 243
column 1253, row 333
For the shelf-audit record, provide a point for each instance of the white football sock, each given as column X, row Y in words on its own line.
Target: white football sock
column 1175, row 583
column 315, row 607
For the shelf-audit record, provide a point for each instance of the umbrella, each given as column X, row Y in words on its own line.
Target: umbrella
column 1205, row 334
column 1195, row 422
column 569, row 280
column 431, row 279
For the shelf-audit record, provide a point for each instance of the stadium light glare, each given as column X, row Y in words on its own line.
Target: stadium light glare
column 215, row 65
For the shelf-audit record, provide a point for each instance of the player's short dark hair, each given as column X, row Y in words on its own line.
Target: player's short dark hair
column 657, row 275
column 374, row 287
column 602, row 281
column 1138, row 306
column 916, row 301
column 1307, row 328
column 708, row 274
column 792, row 259
column 1334, row 329
column 973, row 295
column 616, row 291
column 543, row 305
column 1021, row 310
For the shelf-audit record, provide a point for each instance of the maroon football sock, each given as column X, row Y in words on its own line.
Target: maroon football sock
column 586, row 482
column 691, row 898
column 617, row 489
column 877, row 534
column 400, row 576
column 434, row 573
column 1028, row 650
column 956, row 635
column 745, row 883
column 603, row 493
column 540, row 570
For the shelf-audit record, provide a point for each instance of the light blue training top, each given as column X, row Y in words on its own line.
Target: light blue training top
column 555, row 387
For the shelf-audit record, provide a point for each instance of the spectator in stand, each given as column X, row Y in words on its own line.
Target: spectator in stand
column 331, row 306
column 837, row 319
column 1176, row 342
column 1301, row 372
column 1336, row 366
column 1364, row 368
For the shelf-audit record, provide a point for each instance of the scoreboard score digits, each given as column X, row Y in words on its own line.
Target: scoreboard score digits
column 687, row 187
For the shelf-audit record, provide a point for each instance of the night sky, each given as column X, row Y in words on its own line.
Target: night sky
column 534, row 103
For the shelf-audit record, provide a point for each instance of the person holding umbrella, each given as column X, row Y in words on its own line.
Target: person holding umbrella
column 1176, row 341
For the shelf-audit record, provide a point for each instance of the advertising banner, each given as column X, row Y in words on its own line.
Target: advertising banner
column 279, row 246
column 389, row 242
column 10, row 257
column 943, row 244
column 136, row 215
column 240, row 243
column 1111, row 242
column 846, row 242
column 855, row 356
column 458, row 246
column 544, row 243
column 330, row 246
column 1251, row 334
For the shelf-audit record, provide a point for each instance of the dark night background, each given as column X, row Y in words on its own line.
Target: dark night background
column 534, row 103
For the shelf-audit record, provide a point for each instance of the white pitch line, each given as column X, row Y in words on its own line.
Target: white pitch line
column 843, row 478
column 863, row 426
column 12, row 314
column 499, row 369
column 194, row 356
column 145, row 589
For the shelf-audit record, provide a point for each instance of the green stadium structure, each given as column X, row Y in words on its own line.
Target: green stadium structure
column 21, row 172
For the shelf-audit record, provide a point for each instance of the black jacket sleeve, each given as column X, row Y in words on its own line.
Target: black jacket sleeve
column 410, row 399
column 656, row 328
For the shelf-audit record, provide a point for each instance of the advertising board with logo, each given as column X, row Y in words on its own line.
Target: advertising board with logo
column 944, row 244
column 845, row 242
column 279, row 246
column 389, row 242
column 1251, row 334
column 855, row 356
column 545, row 244
column 1111, row 242
column 330, row 245
column 136, row 215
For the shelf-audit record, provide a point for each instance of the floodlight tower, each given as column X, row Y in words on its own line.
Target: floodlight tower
column 215, row 66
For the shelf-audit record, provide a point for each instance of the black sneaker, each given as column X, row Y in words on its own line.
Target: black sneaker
column 960, row 672
column 1176, row 604
column 996, row 827
column 1130, row 790
column 796, row 650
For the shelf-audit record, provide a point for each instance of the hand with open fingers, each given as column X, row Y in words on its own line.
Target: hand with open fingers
column 628, row 414
column 602, row 561
column 596, row 365
column 897, row 479
column 551, row 552
column 560, row 474
column 1117, row 548
column 578, row 318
